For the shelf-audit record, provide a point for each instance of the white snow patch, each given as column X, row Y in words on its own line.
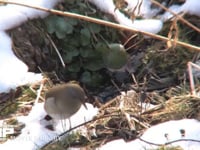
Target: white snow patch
column 141, row 8
column 156, row 134
column 148, row 25
column 14, row 15
column 13, row 71
column 191, row 7
column 35, row 135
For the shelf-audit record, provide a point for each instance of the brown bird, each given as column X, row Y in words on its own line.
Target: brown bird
column 64, row 100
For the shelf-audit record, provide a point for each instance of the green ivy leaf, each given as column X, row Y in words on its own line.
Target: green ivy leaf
column 85, row 32
column 87, row 52
column 93, row 64
column 70, row 53
column 97, row 79
column 73, row 22
column 50, row 24
column 86, row 77
column 102, row 48
column 74, row 67
column 84, row 40
column 91, row 79
column 94, row 28
column 59, row 25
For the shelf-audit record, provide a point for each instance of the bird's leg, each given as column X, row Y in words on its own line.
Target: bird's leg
column 70, row 124
column 191, row 78
column 63, row 123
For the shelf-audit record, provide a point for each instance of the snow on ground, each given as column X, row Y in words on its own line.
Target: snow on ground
column 14, row 15
column 13, row 71
column 35, row 134
column 191, row 7
column 157, row 134
column 148, row 25
column 142, row 8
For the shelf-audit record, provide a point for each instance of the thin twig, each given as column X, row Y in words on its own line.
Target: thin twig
column 133, row 36
column 192, row 84
column 71, row 129
column 105, row 23
column 108, row 103
column 57, row 51
column 137, row 43
column 35, row 92
column 140, row 123
column 131, row 124
column 176, row 15
column 115, row 85
column 168, row 143
column 39, row 92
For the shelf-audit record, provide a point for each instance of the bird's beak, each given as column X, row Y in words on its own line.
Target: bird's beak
column 85, row 105
column 83, row 102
